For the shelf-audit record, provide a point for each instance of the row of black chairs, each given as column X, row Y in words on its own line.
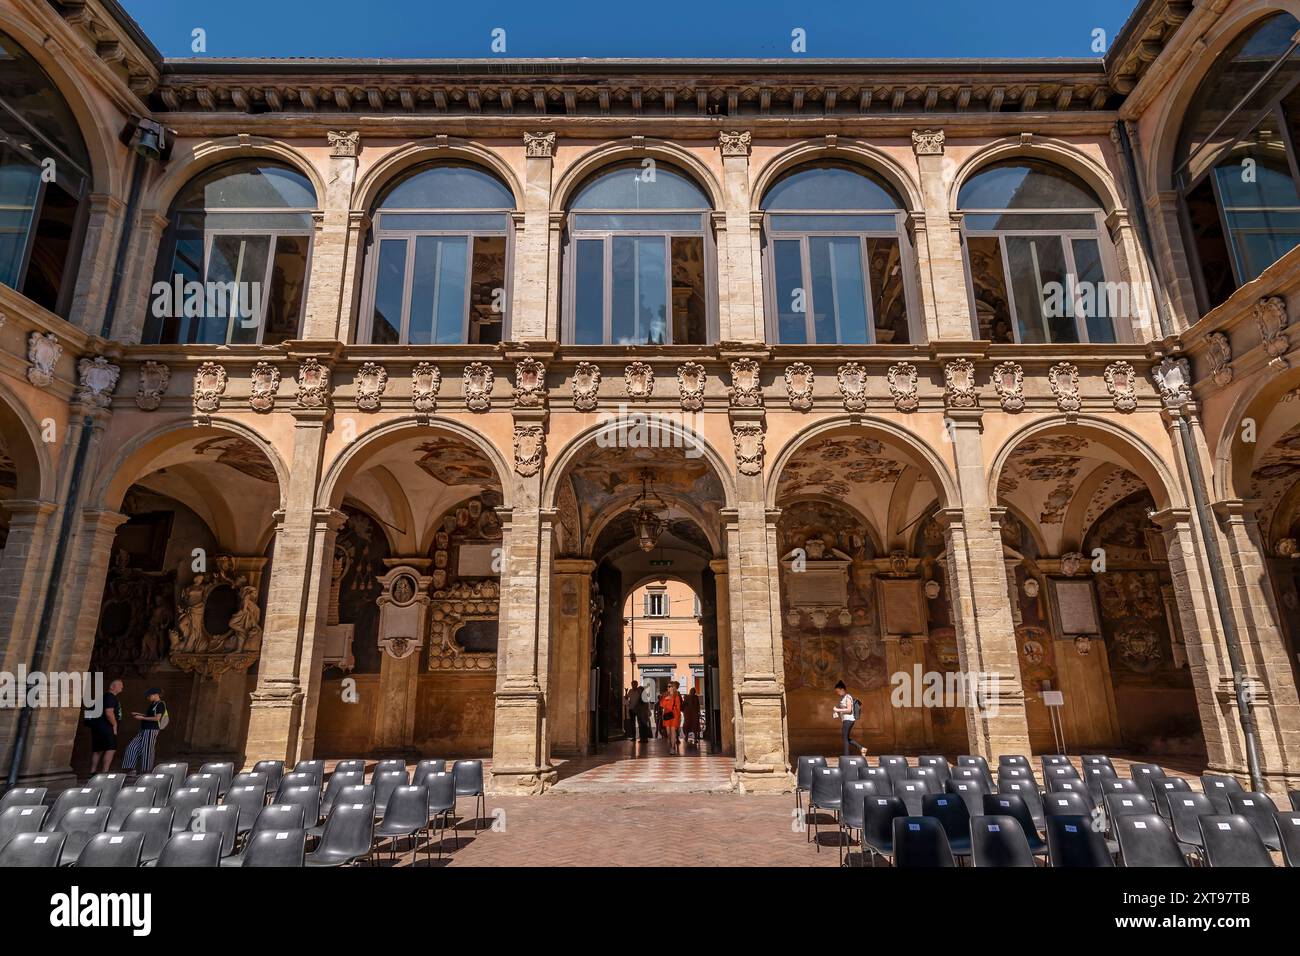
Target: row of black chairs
column 215, row 800
column 901, row 790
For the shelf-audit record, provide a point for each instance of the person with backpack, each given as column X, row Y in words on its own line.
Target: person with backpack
column 140, row 751
column 847, row 712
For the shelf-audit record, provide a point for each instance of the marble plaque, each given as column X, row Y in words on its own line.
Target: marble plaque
column 1077, row 610
column 478, row 560
column 902, row 606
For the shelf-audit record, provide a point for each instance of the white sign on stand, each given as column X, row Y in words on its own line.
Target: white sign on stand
column 1054, row 700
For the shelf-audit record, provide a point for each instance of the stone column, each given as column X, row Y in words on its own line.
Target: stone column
column 23, row 577
column 137, row 282
column 104, row 221
column 740, row 313
column 726, row 690
column 568, row 690
column 534, row 302
column 981, row 606
column 943, row 281
column 333, row 245
column 297, row 599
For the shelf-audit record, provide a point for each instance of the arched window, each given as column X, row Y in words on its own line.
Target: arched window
column 44, row 183
column 639, row 260
column 232, row 268
column 1038, row 257
column 1236, row 160
column 438, row 259
column 837, row 261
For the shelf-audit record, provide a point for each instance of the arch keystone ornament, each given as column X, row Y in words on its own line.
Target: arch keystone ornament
column 927, row 142
column 959, row 381
column 748, row 439
column 1219, row 352
column 1271, row 318
column 530, row 383
column 902, row 386
column 1009, row 382
column 265, row 379
column 209, row 385
column 539, row 145
column 586, row 385
column 735, row 142
column 426, row 379
column 745, row 390
column 43, row 351
column 690, row 386
column 478, row 381
column 852, row 379
column 799, row 386
column 1064, row 380
column 1173, row 378
column 530, row 442
column 313, row 384
column 639, row 380
column 1120, row 378
column 153, row 379
column 98, row 378
column 343, row 144
column 372, row 379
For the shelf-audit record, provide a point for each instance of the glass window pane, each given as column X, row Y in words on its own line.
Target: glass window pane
column 650, row 186
column 288, row 285
column 234, row 264
column 174, row 326
column 791, row 297
column 438, row 291
column 690, row 311
column 390, row 283
column 639, row 222
column 639, row 288
column 839, row 295
column 1099, row 303
column 1211, row 244
column 444, row 222
column 589, row 293
column 1037, row 264
column 26, row 89
column 247, row 221
column 830, row 186
column 1030, row 222
column 449, row 186
column 988, row 279
column 1025, row 185
column 50, row 246
column 888, row 291
column 487, row 309
column 1260, row 202
column 248, row 184
column 821, row 222
column 20, row 182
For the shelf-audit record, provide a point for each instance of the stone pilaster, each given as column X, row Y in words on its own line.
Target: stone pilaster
column 740, row 312
column 333, row 247
column 943, row 275
column 568, row 690
column 726, row 672
column 104, row 221
column 534, row 304
column 981, row 606
column 133, row 307
column 23, row 576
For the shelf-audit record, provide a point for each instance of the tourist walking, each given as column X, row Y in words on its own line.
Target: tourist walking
column 631, row 706
column 691, row 717
column 140, row 751
column 847, row 712
column 670, row 715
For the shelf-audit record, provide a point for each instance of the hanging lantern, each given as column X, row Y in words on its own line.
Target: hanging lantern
column 647, row 523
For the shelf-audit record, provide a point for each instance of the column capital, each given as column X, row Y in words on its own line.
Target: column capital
column 539, row 145
column 102, row 519
column 1236, row 509
column 1169, row 519
column 720, row 566
column 29, row 508
column 735, row 142
column 574, row 566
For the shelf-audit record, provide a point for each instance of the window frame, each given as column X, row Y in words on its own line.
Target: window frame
column 665, row 648
column 772, row 321
column 376, row 235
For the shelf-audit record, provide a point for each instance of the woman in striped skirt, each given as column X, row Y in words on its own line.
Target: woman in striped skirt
column 140, row 751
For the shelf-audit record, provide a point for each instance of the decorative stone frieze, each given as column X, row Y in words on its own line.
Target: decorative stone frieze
column 1219, row 351
column 799, row 386
column 959, row 379
column 1120, row 379
column 735, row 143
column 530, row 384
column 928, row 142
column 343, row 144
column 478, row 380
column 371, row 381
column 97, row 378
column 852, row 380
column 264, row 383
column 745, row 390
column 313, row 384
column 209, row 386
column 43, row 351
column 748, row 439
column 1173, row 378
column 1009, row 383
column 426, row 380
column 1271, row 318
column 1063, row 378
column 539, row 145
column 638, row 380
column 530, row 442
column 586, row 386
column 902, row 386
column 152, row 381
column 690, row 386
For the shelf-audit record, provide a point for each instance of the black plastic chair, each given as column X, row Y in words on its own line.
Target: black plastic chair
column 1071, row 785
column 1217, row 787
column 22, row 797
column 939, row 763
column 1095, row 779
column 32, row 850
column 385, row 782
column 442, row 806
column 80, row 824
column 348, row 835
column 306, row 797
column 128, row 799
column 184, row 802
column 1146, row 840
column 469, row 783
column 1066, row 803
column 1012, row 773
column 1288, row 826
column 388, row 765
column 853, row 811
column 1127, row 804
column 21, row 819
column 353, row 793
column 155, row 824
column 112, row 850
column 278, row 817
column 191, row 850
column 162, row 784
column 1072, row 842
column 1054, row 760
column 209, row 783
column 826, row 793
column 178, row 770
column 1164, row 789
column 999, row 841
column 254, row 778
column 913, row 794
column 1186, row 809
column 1027, row 792
column 950, row 810
column 350, row 765
column 108, row 785
column 971, row 790
column 274, row 770
column 1121, row 785
column 221, row 821
column 1014, row 806
column 248, row 799
column 896, row 766
column 926, row 775
column 275, row 848
column 921, row 842
column 299, row 778
column 1260, row 810
column 314, row 767
column 851, row 767
column 406, row 815
column 1231, row 840
column 1013, row 760
column 1145, row 774
column 878, row 818
column 76, row 797
column 337, row 781
column 427, row 768
column 878, row 776
column 975, row 760
column 224, row 771
column 1098, row 760
column 804, row 768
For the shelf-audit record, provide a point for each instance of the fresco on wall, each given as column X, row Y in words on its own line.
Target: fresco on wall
column 359, row 550
column 452, row 462
column 607, row 474
column 1274, row 476
column 239, row 454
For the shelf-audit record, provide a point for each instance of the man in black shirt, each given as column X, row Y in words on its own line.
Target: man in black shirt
column 103, row 730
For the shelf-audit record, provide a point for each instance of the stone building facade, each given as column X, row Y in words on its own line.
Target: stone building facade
column 394, row 504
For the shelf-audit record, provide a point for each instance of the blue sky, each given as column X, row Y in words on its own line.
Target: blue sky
column 571, row 28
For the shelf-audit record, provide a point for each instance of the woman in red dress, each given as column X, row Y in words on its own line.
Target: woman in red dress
column 670, row 706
